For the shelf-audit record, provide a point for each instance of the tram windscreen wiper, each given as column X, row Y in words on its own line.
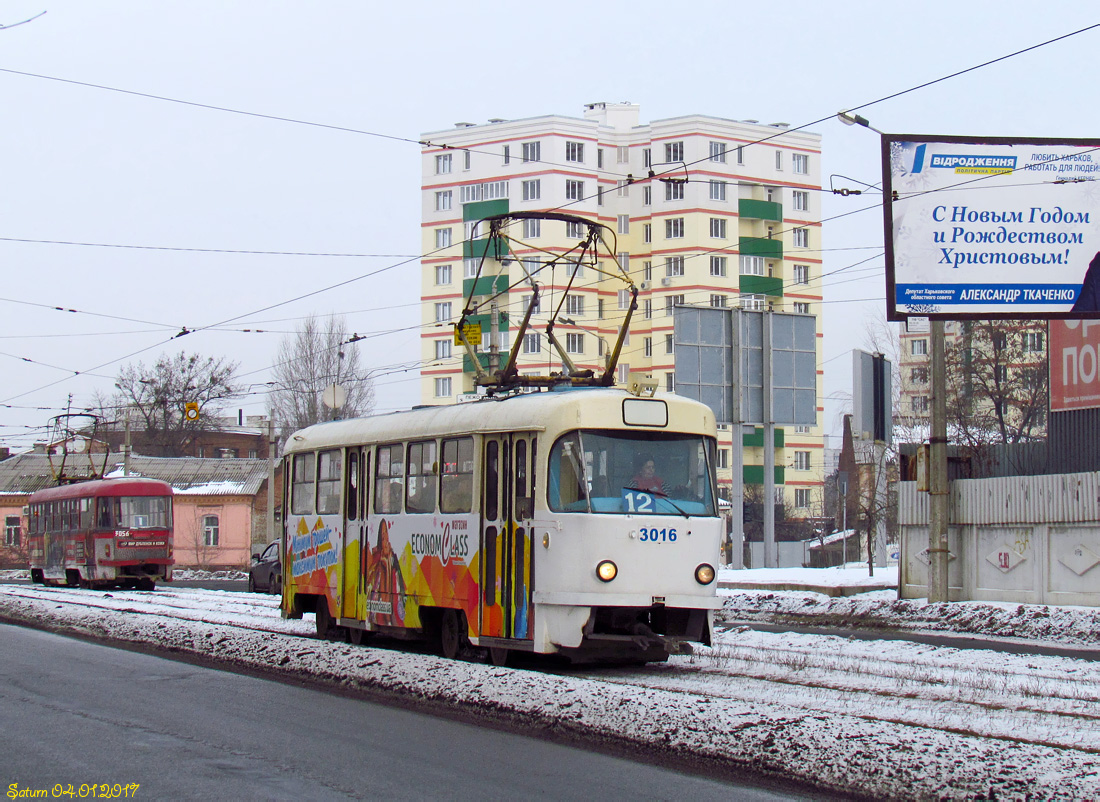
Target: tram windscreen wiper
column 660, row 494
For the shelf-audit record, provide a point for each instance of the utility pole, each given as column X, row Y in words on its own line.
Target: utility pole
column 937, row 472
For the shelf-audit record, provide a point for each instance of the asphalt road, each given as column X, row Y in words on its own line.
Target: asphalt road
column 74, row 713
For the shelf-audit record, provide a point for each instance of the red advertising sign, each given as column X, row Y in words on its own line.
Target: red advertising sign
column 1074, row 364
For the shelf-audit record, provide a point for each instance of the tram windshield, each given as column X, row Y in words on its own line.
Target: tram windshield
column 135, row 512
column 632, row 473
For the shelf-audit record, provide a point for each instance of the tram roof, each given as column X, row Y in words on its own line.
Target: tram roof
column 558, row 409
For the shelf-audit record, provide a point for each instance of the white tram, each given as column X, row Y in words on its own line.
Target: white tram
column 580, row 521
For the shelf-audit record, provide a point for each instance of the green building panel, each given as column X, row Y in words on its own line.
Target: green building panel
column 761, row 246
column 486, row 285
column 761, row 285
column 756, row 439
column 760, row 210
column 754, row 474
column 476, row 248
column 468, row 365
column 479, row 210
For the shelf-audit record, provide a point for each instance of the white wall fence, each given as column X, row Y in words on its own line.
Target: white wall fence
column 1024, row 539
column 793, row 554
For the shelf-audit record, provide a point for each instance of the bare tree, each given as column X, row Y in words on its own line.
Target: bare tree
column 316, row 356
column 998, row 383
column 159, row 395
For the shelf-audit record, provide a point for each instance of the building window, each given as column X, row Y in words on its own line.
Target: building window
column 622, row 188
column 801, row 200
column 802, row 428
column 599, row 158
column 674, row 228
column 442, row 274
column 443, row 163
column 647, row 308
column 918, row 347
column 622, row 155
column 802, row 497
column 802, row 460
column 13, row 530
column 574, row 343
column 647, row 271
column 532, row 190
column 624, row 223
column 752, row 302
column 1033, row 341
column 918, row 376
column 443, row 387
column 531, row 153
column 647, row 157
column 527, row 302
column 532, row 343
column 718, row 190
column 670, row 343
column 470, row 193
column 442, row 349
column 624, row 372
column 443, row 238
column 674, row 190
column 574, row 190
column 470, row 267
column 920, row 404
column 647, row 195
column 211, row 530
column 670, row 382
column 532, row 228
column 574, row 151
column 647, row 232
column 647, row 345
column 507, row 155
column 624, row 299
column 718, row 227
column 800, row 163
column 752, row 265
column 740, row 154
column 674, row 265
column 672, row 301
column 574, row 230
column 801, row 308
column 623, row 258
column 718, row 266
column 718, row 153
column 443, row 201
column 674, row 151
column 779, row 160
column 576, row 269
column 802, row 238
column 574, row 304
column 801, row 274
column 443, row 312
column 720, row 301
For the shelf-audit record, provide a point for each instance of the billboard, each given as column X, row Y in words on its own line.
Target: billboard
column 991, row 228
column 779, row 348
column 1074, row 374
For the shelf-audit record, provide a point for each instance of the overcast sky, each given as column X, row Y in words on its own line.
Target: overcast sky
column 187, row 184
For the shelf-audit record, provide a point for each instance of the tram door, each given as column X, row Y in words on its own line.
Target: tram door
column 357, row 462
column 506, row 513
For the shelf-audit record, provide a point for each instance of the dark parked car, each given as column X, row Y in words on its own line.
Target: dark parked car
column 266, row 573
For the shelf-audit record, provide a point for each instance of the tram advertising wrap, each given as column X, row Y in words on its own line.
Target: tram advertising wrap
column 991, row 228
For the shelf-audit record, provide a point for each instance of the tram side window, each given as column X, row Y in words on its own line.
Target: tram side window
column 104, row 516
column 568, row 488
column 458, row 475
column 352, row 495
column 328, row 483
column 86, row 518
column 301, row 500
column 525, row 498
column 389, row 480
column 423, row 484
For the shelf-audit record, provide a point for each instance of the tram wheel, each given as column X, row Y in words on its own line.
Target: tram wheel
column 450, row 634
column 324, row 618
column 498, row 656
column 359, row 637
column 146, row 583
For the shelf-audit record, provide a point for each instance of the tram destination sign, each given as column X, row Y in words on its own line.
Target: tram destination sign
column 983, row 228
column 706, row 339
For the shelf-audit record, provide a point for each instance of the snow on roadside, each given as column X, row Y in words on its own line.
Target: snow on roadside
column 835, row 752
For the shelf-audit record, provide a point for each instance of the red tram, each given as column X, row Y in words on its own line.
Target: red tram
column 101, row 533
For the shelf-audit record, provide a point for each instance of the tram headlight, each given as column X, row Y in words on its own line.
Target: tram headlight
column 607, row 570
column 704, row 574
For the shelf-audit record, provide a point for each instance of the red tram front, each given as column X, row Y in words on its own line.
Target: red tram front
column 102, row 533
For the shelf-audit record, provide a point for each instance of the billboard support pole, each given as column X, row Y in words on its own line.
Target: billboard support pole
column 937, row 470
column 770, row 556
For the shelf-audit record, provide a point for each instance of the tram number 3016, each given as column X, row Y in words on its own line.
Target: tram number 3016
column 658, row 535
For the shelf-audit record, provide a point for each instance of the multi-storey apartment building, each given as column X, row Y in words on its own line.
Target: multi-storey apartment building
column 704, row 211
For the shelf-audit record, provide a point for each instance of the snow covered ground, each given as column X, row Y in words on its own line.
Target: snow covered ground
column 884, row 719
